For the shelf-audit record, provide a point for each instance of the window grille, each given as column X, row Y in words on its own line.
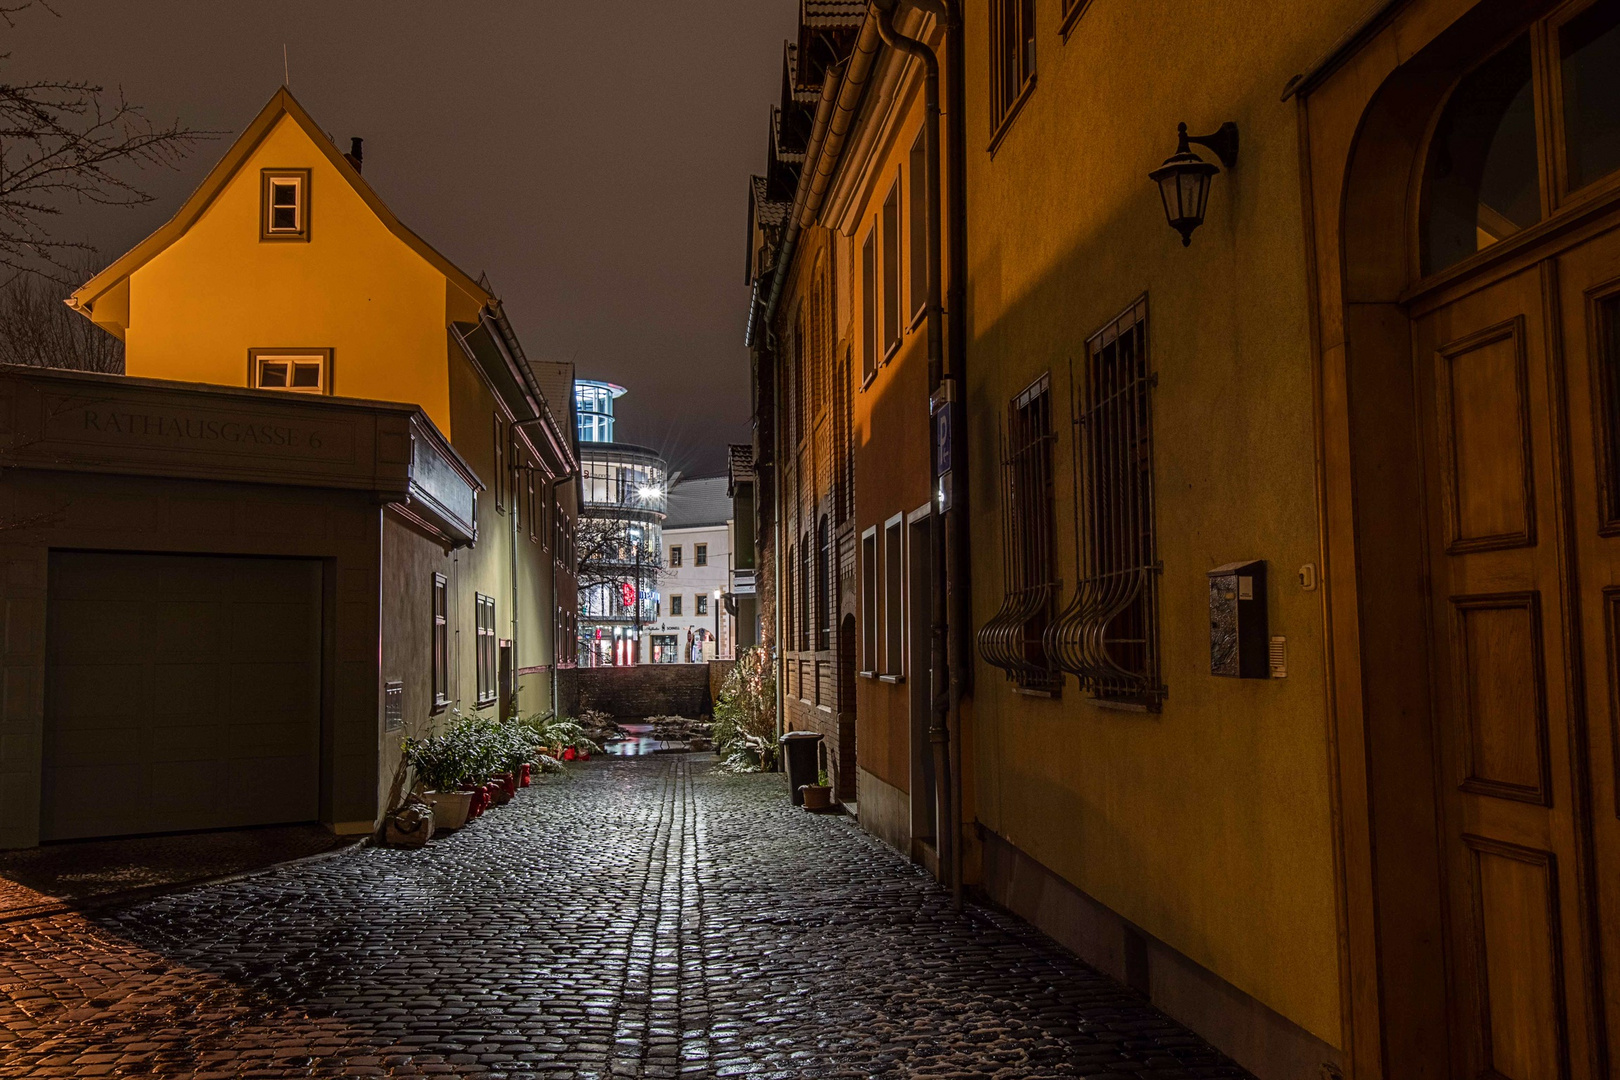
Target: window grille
column 1013, row 639
column 1108, row 635
column 1012, row 57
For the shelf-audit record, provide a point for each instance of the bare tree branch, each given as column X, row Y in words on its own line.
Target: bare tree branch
column 65, row 142
column 38, row 330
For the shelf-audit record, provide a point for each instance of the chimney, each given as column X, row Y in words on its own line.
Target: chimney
column 355, row 156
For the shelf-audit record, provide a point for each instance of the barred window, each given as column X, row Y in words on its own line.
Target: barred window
column 1013, row 639
column 1012, row 58
column 1108, row 635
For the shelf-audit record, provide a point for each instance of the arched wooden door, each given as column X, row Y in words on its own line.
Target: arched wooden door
column 1515, row 362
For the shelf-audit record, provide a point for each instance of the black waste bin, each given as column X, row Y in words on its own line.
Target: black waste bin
column 799, row 754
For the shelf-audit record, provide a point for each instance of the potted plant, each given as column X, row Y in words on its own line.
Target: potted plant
column 817, row 796
column 440, row 773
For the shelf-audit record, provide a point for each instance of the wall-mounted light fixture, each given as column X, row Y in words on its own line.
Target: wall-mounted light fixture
column 1184, row 177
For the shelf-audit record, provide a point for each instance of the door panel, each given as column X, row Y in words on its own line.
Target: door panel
column 1587, row 294
column 1509, row 729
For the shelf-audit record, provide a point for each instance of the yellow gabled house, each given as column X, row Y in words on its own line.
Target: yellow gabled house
column 285, row 249
column 287, row 279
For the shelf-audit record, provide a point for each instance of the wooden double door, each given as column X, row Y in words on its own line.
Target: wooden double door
column 1518, row 401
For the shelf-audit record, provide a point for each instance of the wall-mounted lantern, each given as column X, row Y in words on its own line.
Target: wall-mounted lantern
column 1184, row 177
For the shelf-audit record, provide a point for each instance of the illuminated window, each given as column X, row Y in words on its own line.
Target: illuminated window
column 485, row 611
column 284, row 214
column 675, row 555
column 441, row 641
column 702, row 604
column 301, row 372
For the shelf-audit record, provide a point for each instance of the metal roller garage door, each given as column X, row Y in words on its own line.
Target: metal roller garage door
column 181, row 692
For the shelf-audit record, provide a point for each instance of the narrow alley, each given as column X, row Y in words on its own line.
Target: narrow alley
column 644, row 916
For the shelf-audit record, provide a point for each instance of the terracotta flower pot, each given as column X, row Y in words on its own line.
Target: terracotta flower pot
column 816, row 797
column 450, row 808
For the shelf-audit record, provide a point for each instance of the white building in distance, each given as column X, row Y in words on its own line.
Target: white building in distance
column 693, row 624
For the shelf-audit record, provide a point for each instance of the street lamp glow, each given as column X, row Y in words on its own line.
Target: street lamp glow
column 648, row 492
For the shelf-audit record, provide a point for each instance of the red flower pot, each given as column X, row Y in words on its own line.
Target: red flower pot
column 585, row 755
column 523, row 776
column 568, row 754
column 480, row 799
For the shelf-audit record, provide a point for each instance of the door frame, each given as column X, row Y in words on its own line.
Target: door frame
column 1364, row 114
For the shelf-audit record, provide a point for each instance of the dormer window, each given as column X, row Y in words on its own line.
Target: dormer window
column 303, row 371
column 284, row 214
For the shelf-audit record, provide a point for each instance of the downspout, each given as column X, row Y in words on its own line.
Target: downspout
column 942, row 682
column 959, row 594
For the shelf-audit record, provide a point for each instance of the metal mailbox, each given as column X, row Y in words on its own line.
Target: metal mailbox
column 1239, row 639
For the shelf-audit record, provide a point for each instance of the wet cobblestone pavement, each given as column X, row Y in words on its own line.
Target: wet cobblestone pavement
column 637, row 917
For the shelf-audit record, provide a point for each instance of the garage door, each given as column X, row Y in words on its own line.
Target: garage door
column 181, row 692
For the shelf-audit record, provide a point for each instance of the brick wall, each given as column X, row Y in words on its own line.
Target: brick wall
column 647, row 690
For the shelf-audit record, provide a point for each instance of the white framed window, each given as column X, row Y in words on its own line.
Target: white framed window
column 302, row 371
column 869, row 601
column 284, row 210
column 894, row 591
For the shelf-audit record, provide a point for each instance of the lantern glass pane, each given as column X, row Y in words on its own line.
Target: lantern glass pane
column 1170, row 193
column 1194, row 190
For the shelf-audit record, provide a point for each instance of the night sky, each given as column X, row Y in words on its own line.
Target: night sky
column 592, row 157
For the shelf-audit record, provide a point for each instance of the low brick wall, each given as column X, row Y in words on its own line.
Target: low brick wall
column 718, row 670
column 630, row 693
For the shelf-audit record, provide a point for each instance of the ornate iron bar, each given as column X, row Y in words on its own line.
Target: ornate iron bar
column 1013, row 638
column 1107, row 635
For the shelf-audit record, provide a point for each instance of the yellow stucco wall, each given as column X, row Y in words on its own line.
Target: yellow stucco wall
column 1208, row 825
column 198, row 306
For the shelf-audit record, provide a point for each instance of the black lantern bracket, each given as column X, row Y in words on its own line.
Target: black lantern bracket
column 1184, row 178
column 1224, row 143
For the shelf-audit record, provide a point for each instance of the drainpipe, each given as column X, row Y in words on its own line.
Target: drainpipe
column 944, row 685
column 959, row 648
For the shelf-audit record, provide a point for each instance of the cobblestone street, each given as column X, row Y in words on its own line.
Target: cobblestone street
column 636, row 917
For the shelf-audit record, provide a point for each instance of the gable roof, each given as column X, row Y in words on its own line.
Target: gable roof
column 281, row 104
column 698, row 502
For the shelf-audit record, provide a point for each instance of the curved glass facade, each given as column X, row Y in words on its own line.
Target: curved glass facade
column 593, row 404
